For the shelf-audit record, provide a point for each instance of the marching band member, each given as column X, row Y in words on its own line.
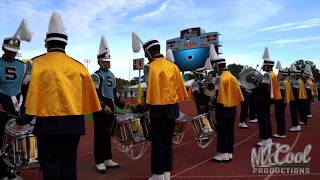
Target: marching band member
column 60, row 92
column 314, row 89
column 13, row 75
column 105, row 83
column 165, row 89
column 267, row 92
column 309, row 88
column 205, row 98
column 302, row 99
column 244, row 107
column 294, row 105
column 287, row 97
column 198, row 93
column 204, row 89
column 210, row 93
column 228, row 97
column 252, row 106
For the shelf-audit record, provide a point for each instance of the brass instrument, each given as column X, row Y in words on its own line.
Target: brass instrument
column 250, row 78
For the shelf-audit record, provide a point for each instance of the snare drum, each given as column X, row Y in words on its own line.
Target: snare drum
column 145, row 123
column 128, row 129
column 181, row 125
column 212, row 119
column 202, row 126
column 20, row 146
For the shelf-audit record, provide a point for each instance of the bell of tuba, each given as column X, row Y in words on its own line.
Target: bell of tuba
column 250, row 78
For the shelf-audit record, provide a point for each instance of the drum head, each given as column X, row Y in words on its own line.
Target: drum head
column 200, row 116
column 14, row 129
column 123, row 117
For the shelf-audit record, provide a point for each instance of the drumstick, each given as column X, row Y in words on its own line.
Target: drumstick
column 12, row 115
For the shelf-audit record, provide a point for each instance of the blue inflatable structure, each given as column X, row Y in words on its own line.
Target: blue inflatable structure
column 191, row 49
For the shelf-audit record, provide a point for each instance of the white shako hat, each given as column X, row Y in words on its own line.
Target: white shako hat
column 293, row 69
column 104, row 51
column 169, row 55
column 56, row 29
column 22, row 34
column 308, row 71
column 266, row 57
column 137, row 43
column 214, row 58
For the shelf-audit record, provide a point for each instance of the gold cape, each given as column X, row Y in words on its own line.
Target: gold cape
column 314, row 89
column 275, row 86
column 288, row 93
column 302, row 90
column 60, row 86
column 165, row 84
column 139, row 95
column 190, row 94
column 229, row 93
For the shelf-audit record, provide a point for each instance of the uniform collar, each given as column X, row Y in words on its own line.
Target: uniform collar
column 57, row 50
column 4, row 58
column 157, row 56
column 223, row 71
column 102, row 70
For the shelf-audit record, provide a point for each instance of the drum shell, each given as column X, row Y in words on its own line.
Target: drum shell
column 20, row 146
column 145, row 123
column 202, row 125
column 212, row 119
column 128, row 130
column 180, row 126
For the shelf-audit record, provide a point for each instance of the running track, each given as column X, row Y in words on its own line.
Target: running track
column 192, row 162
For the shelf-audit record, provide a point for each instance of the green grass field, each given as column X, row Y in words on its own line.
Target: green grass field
column 88, row 117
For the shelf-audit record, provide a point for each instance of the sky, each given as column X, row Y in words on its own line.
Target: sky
column 289, row 28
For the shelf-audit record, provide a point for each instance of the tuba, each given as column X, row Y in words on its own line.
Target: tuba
column 250, row 78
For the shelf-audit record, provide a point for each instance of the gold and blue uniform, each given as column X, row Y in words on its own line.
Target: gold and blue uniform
column 228, row 97
column 311, row 92
column 12, row 75
column 302, row 101
column 267, row 92
column 60, row 92
column 165, row 90
column 105, row 84
column 294, row 104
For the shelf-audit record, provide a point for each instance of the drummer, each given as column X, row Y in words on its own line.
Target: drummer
column 105, row 84
column 60, row 92
column 12, row 77
column 228, row 97
column 165, row 90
